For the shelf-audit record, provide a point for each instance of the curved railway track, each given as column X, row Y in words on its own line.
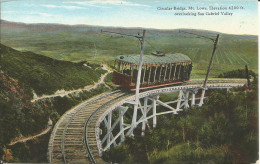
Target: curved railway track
column 73, row 139
column 67, row 142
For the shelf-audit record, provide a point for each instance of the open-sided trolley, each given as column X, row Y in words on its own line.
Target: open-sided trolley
column 157, row 70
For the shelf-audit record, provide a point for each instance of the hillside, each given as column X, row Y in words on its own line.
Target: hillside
column 82, row 42
column 21, row 118
column 45, row 75
column 21, row 73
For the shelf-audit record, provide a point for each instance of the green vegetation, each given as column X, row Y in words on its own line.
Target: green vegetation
column 24, row 72
column 62, row 104
column 223, row 130
column 79, row 43
column 21, row 117
column 239, row 73
column 33, row 151
column 45, row 75
column 108, row 81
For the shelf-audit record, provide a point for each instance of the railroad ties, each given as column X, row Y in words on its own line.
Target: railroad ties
column 67, row 143
column 74, row 137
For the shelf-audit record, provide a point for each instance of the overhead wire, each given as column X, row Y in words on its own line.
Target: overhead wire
column 150, row 44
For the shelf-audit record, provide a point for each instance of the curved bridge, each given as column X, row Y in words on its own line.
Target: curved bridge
column 84, row 132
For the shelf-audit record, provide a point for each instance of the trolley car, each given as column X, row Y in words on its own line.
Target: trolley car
column 157, row 70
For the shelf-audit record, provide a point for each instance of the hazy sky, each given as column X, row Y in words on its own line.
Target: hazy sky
column 138, row 13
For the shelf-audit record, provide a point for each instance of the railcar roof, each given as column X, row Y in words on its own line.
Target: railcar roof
column 153, row 59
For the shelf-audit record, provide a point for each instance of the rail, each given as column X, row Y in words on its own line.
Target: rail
column 65, row 129
column 63, row 117
column 91, row 157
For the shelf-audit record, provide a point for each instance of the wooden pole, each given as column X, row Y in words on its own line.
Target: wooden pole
column 207, row 75
column 138, row 80
column 211, row 60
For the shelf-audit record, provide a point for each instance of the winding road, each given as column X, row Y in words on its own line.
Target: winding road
column 24, row 139
column 63, row 93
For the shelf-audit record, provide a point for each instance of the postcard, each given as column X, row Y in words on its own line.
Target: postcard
column 127, row 81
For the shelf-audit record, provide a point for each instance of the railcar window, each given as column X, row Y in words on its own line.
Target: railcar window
column 157, row 76
column 167, row 75
column 174, row 68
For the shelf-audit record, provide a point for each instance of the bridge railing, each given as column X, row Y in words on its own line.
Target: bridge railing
column 217, row 80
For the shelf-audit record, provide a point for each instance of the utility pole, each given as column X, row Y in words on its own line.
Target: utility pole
column 138, row 80
column 211, row 60
column 215, row 41
column 136, row 103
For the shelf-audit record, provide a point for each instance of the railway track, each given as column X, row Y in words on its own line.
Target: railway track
column 73, row 139
column 90, row 134
column 67, row 142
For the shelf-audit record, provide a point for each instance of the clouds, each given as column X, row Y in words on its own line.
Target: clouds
column 98, row 3
column 43, row 14
column 63, row 7
column 7, row 12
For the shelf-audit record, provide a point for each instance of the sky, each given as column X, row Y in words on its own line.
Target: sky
column 242, row 19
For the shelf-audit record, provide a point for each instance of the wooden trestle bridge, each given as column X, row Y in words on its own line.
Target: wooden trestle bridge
column 84, row 132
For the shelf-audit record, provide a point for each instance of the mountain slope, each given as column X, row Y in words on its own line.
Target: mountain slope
column 43, row 74
column 82, row 42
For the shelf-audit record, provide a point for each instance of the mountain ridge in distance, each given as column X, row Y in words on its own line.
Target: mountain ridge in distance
column 44, row 27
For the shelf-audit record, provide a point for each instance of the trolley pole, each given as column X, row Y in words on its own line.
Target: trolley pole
column 207, row 75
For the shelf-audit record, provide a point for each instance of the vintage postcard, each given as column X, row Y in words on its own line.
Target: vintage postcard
column 129, row 81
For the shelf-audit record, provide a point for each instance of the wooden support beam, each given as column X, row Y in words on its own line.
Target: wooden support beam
column 121, row 124
column 144, row 115
column 193, row 99
column 187, row 99
column 179, row 100
column 167, row 106
column 109, row 120
column 114, row 125
column 154, row 113
column 202, row 97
